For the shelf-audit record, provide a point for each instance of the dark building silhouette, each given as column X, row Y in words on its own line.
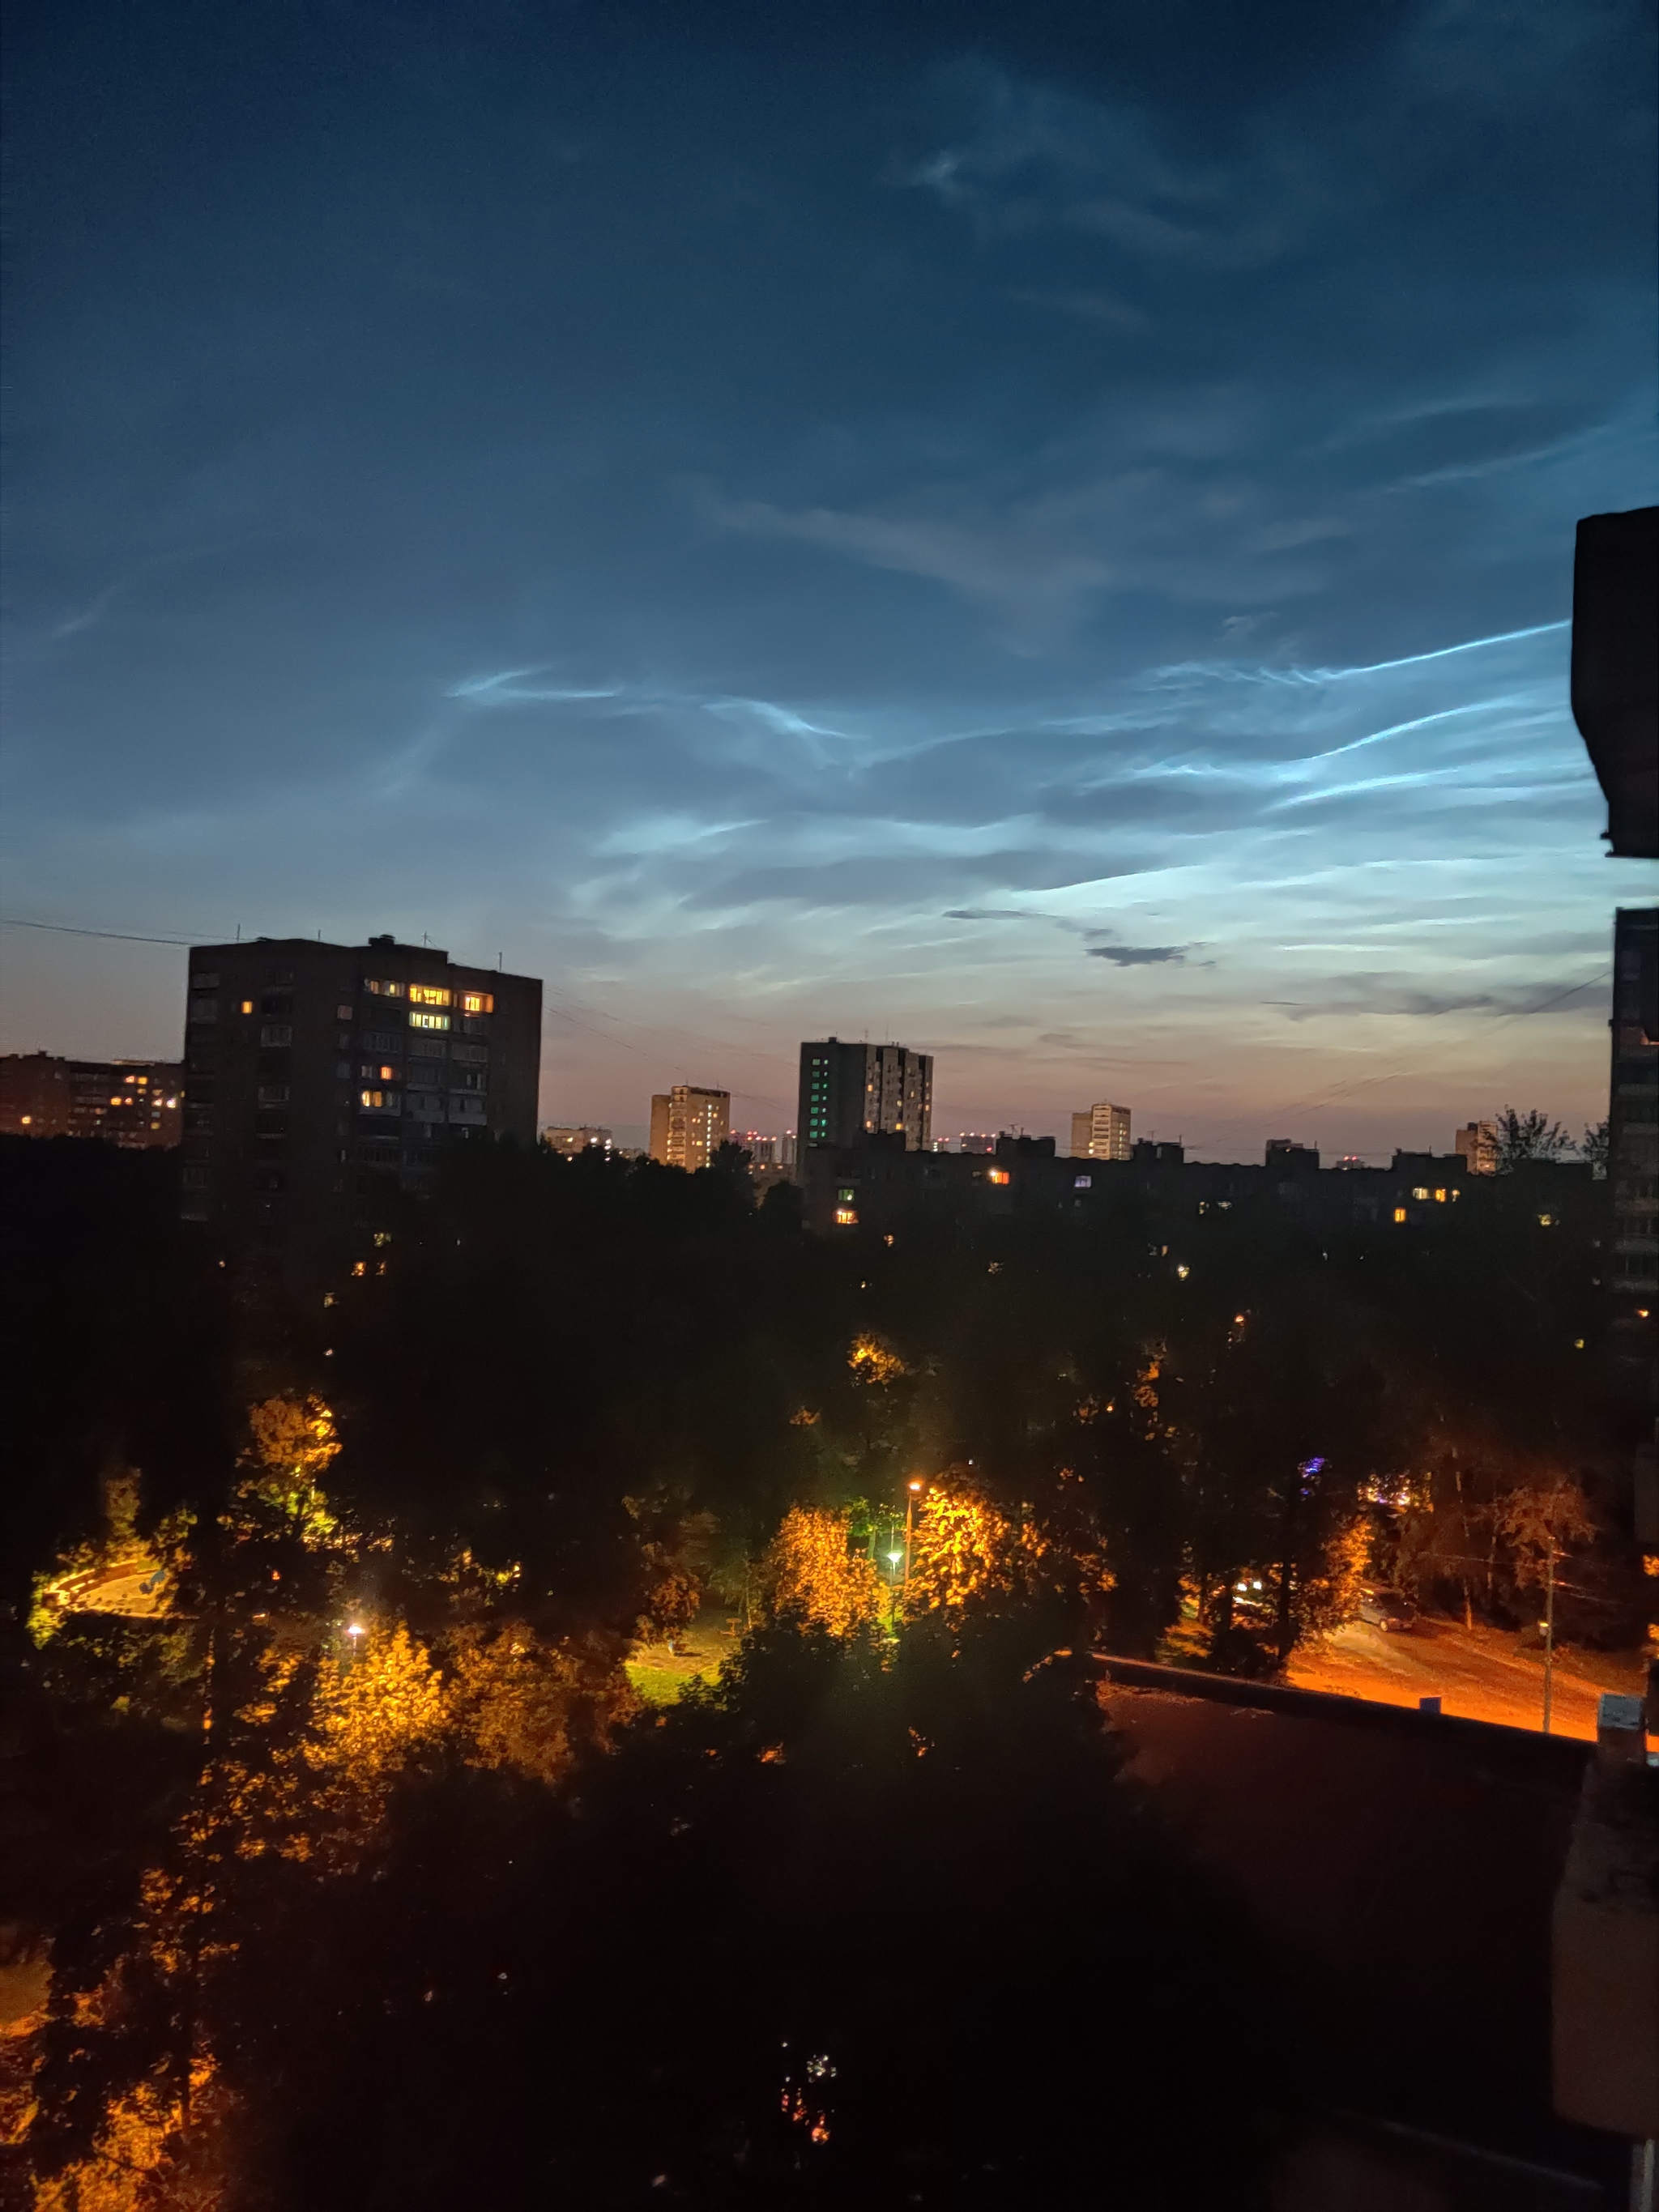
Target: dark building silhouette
column 876, row 1184
column 849, row 1092
column 322, row 1079
column 1633, row 1105
column 1615, row 670
column 136, row 1103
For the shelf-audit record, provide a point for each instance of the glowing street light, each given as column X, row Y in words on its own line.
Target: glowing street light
column 914, row 1490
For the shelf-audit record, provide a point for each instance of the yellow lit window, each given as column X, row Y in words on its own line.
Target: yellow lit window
column 846, row 1216
column 1440, row 1198
column 1399, row 1213
column 1547, row 1221
column 996, row 1175
column 477, row 1002
column 427, row 994
column 418, row 1021
column 247, row 1006
column 371, row 1098
column 1419, row 1193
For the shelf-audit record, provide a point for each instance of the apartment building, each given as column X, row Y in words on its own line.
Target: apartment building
column 322, row 1079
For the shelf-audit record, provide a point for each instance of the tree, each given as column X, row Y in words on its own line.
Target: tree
column 1524, row 1138
column 813, row 1570
column 1592, row 1147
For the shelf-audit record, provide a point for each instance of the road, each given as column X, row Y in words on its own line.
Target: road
column 1478, row 1673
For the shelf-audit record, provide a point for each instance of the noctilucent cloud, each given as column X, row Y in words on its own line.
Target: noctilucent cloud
column 1043, row 531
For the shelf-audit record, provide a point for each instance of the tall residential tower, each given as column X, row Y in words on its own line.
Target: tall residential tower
column 849, row 1092
column 688, row 1125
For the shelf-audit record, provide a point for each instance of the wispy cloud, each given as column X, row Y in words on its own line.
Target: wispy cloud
column 1140, row 956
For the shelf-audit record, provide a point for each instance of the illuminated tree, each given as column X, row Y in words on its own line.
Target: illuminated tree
column 873, row 1363
column 292, row 1445
column 376, row 1703
column 515, row 1702
column 812, row 1568
column 963, row 1547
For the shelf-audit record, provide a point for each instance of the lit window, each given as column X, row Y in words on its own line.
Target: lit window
column 1440, row 1198
column 427, row 995
column 996, row 1175
column 1086, row 1183
column 477, row 1002
column 386, row 990
column 371, row 1098
column 247, row 1006
column 1419, row 1193
column 1399, row 1213
column 1547, row 1221
column 429, row 1021
column 846, row 1216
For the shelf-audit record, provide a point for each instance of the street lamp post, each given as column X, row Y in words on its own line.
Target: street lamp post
column 1549, row 1631
column 912, row 1490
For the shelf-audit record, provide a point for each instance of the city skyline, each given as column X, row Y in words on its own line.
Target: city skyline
column 1036, row 1106
column 1014, row 534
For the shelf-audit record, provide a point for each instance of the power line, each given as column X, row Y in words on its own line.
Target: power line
column 588, row 1017
column 65, row 929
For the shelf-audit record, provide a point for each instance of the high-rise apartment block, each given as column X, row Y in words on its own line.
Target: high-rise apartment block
column 851, row 1092
column 320, row 1079
column 135, row 1103
column 688, row 1125
column 1476, row 1145
column 1633, row 1104
column 1102, row 1133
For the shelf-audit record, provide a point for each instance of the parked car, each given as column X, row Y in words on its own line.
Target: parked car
column 1387, row 1610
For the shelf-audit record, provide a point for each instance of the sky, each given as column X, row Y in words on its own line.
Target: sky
column 1041, row 532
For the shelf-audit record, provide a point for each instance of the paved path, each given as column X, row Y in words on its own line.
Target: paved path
column 1478, row 1673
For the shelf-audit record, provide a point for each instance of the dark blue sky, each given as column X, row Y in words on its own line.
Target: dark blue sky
column 1041, row 531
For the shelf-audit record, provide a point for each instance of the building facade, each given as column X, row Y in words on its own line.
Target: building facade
column 1633, row 1105
column 1476, row 1145
column 322, row 1079
column 688, row 1125
column 136, row 1103
column 568, row 1141
column 849, row 1092
column 1101, row 1133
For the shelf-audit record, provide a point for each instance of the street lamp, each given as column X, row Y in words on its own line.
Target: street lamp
column 914, row 1490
